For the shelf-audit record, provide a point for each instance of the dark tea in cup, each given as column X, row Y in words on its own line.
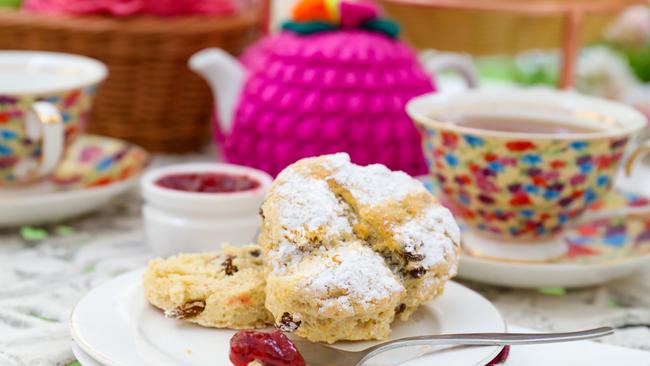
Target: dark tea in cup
column 518, row 124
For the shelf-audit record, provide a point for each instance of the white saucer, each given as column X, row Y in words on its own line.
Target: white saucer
column 532, row 275
column 612, row 241
column 597, row 250
column 94, row 170
column 83, row 357
column 115, row 325
column 43, row 204
column 520, row 251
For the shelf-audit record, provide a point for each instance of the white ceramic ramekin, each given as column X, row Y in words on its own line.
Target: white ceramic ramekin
column 178, row 221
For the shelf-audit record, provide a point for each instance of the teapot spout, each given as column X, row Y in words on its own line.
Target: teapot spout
column 225, row 75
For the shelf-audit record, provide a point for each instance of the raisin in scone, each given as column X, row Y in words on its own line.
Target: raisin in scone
column 223, row 289
column 349, row 248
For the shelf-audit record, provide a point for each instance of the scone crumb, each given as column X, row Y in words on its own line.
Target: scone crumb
column 229, row 268
column 187, row 310
column 288, row 323
column 413, row 257
column 417, row 272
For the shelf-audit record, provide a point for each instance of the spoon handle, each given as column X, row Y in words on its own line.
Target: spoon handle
column 489, row 339
column 502, row 339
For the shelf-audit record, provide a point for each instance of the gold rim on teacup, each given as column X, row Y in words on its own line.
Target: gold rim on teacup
column 79, row 71
column 592, row 110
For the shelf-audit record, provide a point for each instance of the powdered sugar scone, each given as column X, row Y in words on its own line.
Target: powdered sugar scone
column 223, row 289
column 351, row 247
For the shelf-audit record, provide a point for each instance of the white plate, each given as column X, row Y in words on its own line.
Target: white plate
column 43, row 204
column 83, row 357
column 116, row 326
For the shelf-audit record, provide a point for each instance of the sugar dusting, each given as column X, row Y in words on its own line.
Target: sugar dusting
column 433, row 234
column 351, row 275
column 337, row 161
column 309, row 205
column 373, row 184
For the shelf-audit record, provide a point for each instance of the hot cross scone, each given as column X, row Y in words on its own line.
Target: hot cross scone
column 223, row 289
column 350, row 248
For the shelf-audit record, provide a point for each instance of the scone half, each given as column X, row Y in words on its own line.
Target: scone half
column 222, row 289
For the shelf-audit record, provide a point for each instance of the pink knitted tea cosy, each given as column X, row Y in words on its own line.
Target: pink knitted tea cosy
column 319, row 87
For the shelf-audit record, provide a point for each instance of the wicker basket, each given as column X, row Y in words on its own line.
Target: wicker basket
column 150, row 97
column 490, row 33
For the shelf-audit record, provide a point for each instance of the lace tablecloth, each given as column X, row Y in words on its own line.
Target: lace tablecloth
column 45, row 270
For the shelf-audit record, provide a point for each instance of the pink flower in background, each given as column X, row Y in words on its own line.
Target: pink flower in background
column 632, row 26
column 134, row 7
column 215, row 7
column 62, row 6
column 123, row 7
column 168, row 7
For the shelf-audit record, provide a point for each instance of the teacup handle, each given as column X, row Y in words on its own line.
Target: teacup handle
column 636, row 154
column 44, row 122
column 435, row 62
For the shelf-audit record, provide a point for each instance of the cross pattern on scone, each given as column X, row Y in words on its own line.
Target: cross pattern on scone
column 353, row 244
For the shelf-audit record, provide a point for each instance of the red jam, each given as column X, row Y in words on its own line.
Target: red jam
column 501, row 358
column 207, row 182
column 271, row 349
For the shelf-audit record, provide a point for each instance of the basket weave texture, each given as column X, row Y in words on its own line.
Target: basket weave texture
column 150, row 97
column 490, row 33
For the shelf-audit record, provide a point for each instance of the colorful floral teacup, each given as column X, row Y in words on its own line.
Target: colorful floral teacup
column 514, row 183
column 45, row 99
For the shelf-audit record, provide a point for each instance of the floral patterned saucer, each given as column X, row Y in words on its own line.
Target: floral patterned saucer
column 612, row 241
column 94, row 170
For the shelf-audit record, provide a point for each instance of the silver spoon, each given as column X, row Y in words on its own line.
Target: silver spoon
column 318, row 354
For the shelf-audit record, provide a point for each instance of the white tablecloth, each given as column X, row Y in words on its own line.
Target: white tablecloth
column 574, row 354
